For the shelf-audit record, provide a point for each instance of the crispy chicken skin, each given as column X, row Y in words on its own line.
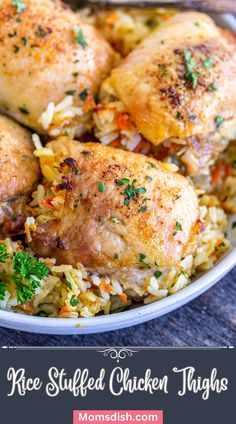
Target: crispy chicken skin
column 41, row 60
column 180, row 80
column 19, row 173
column 120, row 208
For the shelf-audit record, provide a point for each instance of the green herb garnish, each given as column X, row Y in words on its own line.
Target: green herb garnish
column 68, row 284
column 158, row 274
column 190, row 75
column 115, row 220
column 28, row 273
column 83, row 94
column 74, row 301
column 131, row 192
column 24, row 110
column 16, row 48
column 144, row 264
column 3, row 253
column 24, row 41
column 3, row 289
column 40, row 32
column 219, row 120
column 101, row 186
column 208, row 62
column 178, row 226
column 20, row 5
column 212, row 87
column 70, row 92
column 80, row 38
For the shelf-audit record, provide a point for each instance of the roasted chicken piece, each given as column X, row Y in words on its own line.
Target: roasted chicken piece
column 18, row 176
column 114, row 211
column 179, row 85
column 47, row 53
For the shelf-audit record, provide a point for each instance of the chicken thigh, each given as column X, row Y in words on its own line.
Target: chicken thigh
column 51, row 65
column 179, row 87
column 113, row 210
column 19, row 174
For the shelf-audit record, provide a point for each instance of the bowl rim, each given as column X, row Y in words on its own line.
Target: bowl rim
column 140, row 314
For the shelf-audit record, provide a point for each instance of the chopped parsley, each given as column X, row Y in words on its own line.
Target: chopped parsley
column 40, row 32
column 157, row 274
column 151, row 23
column 178, row 226
column 234, row 224
column 143, row 209
column 80, row 38
column 101, row 186
column 122, row 181
column 68, row 284
column 148, row 178
column 12, row 34
column 144, row 264
column 178, row 115
column 70, row 92
column 75, row 74
column 74, row 301
column 131, row 192
column 24, row 41
column 219, row 120
column 83, row 94
column 191, row 76
column 27, row 275
column 115, row 220
column 152, row 165
column 24, row 110
column 212, row 87
column 208, row 62
column 16, row 48
column 116, row 256
column 3, row 253
column 3, row 288
column 20, row 5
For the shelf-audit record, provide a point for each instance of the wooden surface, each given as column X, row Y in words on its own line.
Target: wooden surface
column 209, row 320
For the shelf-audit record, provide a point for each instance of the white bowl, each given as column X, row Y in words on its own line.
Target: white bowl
column 139, row 314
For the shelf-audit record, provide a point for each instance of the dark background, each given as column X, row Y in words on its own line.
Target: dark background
column 209, row 320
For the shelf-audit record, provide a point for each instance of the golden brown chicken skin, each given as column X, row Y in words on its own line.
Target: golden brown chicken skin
column 47, row 53
column 19, row 174
column 180, row 79
column 121, row 211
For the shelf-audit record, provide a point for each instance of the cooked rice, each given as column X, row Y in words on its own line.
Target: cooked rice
column 125, row 28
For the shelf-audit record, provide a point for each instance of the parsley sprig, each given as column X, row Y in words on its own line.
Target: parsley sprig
column 80, row 38
column 3, row 253
column 27, row 276
column 3, row 289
